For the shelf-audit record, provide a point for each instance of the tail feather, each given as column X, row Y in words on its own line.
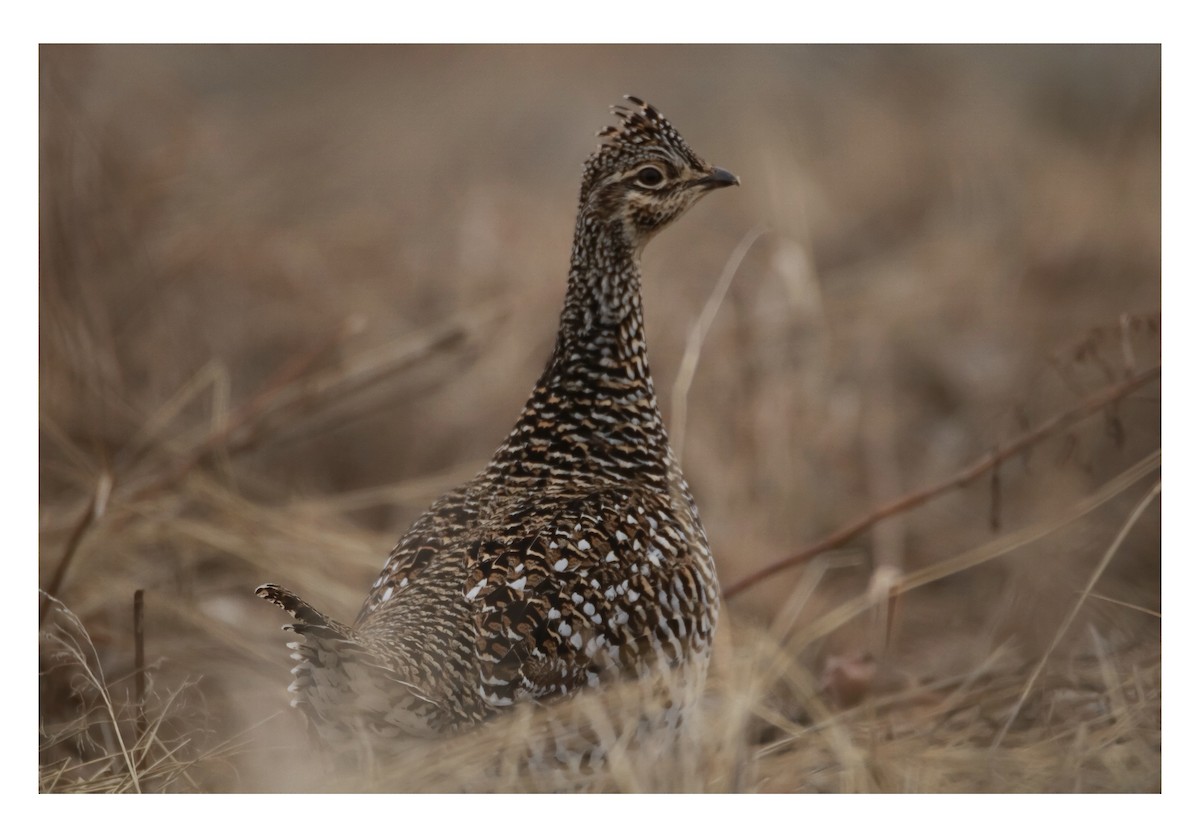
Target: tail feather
column 311, row 621
column 339, row 682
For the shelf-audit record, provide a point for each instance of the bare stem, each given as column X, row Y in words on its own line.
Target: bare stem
column 139, row 658
column 1096, row 402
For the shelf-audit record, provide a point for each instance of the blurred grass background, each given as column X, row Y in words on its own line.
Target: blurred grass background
column 288, row 295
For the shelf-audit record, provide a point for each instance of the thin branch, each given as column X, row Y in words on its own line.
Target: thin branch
column 839, row 616
column 236, row 432
column 295, row 368
column 139, row 658
column 95, row 509
column 1096, row 402
column 341, row 388
column 294, row 385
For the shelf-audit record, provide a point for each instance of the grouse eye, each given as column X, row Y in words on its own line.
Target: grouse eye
column 649, row 176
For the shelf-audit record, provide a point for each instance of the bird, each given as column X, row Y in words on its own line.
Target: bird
column 577, row 556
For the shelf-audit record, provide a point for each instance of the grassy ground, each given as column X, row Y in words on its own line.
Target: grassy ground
column 290, row 295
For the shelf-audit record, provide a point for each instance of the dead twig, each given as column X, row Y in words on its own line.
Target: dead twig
column 340, row 388
column 848, row 610
column 237, row 432
column 139, row 659
column 95, row 509
column 293, row 369
column 294, row 385
column 1096, row 402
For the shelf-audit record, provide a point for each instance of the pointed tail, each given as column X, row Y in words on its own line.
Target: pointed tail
column 339, row 680
column 309, row 620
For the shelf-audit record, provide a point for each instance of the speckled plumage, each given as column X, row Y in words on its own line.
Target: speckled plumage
column 577, row 555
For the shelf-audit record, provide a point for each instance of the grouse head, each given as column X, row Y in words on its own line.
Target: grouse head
column 644, row 175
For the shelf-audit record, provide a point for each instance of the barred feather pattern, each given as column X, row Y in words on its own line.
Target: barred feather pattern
column 577, row 556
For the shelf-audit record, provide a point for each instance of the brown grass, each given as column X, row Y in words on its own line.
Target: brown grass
column 289, row 295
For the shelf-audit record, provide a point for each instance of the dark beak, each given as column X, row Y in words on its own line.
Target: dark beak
column 718, row 177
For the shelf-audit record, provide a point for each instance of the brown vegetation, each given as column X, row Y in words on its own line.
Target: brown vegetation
column 289, row 295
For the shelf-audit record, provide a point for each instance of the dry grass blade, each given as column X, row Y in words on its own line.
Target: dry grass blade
column 1138, row 510
column 139, row 658
column 695, row 341
column 154, row 431
column 142, row 742
column 1120, row 603
column 412, row 492
column 203, row 261
column 984, row 553
column 306, row 407
column 74, row 648
column 95, row 509
column 1097, row 402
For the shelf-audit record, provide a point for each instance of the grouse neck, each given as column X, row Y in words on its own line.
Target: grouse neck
column 602, row 321
column 593, row 413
